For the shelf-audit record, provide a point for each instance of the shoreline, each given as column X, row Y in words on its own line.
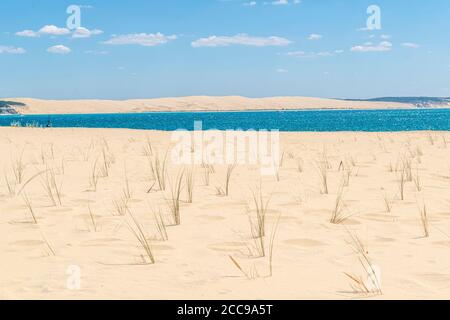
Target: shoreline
column 159, row 131
column 409, row 108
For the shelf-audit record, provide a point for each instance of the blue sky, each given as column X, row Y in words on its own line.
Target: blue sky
column 146, row 49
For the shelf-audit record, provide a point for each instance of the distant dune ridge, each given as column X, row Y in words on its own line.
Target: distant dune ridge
column 206, row 103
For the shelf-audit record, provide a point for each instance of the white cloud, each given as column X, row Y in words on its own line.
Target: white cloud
column 280, row 2
column 45, row 30
column 296, row 53
column 283, row 2
column 281, row 70
column 54, row 30
column 324, row 54
column 85, row 33
column 240, row 39
column 142, row 39
column 385, row 36
column 370, row 47
column 59, row 49
column 315, row 36
column 249, row 4
column 410, row 45
column 27, row 33
column 303, row 54
column 12, row 50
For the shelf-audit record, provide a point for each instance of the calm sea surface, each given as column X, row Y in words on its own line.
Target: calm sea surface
column 334, row 120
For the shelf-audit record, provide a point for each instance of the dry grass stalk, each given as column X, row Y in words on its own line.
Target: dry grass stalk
column 240, row 268
column 347, row 175
column 138, row 232
column 94, row 177
column 271, row 245
column 148, row 148
column 371, row 284
column 52, row 189
column 351, row 160
column 92, row 219
column 387, row 203
column 174, row 201
column 230, row 170
column 220, row 192
column 18, row 168
column 127, row 189
column 158, row 168
column 10, row 185
column 282, row 157
column 337, row 216
column 121, row 206
column 51, row 251
column 62, row 167
column 190, row 185
column 390, row 167
column 417, row 181
column 43, row 157
column 424, row 220
column 29, row 205
column 104, row 168
column 407, row 168
column 206, row 173
column 277, row 173
column 257, row 249
column 261, row 207
column 300, row 165
column 323, row 174
column 401, row 184
column 29, row 180
column 160, row 226
column 258, row 225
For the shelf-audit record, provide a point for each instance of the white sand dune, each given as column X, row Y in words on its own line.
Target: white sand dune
column 310, row 254
column 200, row 103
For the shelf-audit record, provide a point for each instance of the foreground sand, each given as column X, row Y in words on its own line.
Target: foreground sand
column 195, row 103
column 310, row 254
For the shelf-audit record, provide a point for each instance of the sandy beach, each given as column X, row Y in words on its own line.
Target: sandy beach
column 196, row 103
column 84, row 216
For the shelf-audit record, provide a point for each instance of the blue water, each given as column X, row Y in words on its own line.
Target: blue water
column 333, row 120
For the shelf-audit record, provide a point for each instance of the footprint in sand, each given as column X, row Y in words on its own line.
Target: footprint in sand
column 305, row 242
column 83, row 201
column 99, row 242
column 439, row 278
column 61, row 210
column 226, row 246
column 384, row 240
column 212, row 218
column 228, row 205
column 162, row 247
column 443, row 243
column 28, row 243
